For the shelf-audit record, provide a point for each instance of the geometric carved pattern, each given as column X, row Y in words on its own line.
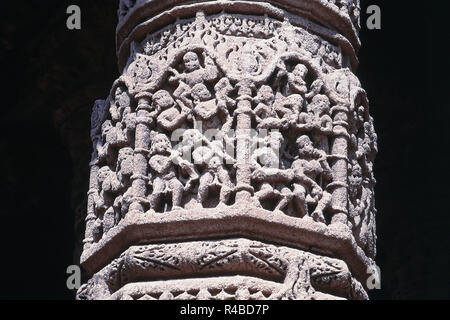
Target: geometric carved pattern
column 283, row 273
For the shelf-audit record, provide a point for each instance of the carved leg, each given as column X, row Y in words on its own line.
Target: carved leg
column 203, row 188
column 225, row 193
column 177, row 193
column 286, row 197
column 227, row 187
column 300, row 200
column 324, row 203
column 158, row 190
column 267, row 191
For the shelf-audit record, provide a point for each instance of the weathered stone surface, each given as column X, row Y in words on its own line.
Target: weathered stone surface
column 232, row 119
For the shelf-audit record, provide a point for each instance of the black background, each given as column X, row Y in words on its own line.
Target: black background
column 50, row 77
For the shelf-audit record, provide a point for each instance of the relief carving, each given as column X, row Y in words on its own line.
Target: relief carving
column 227, row 110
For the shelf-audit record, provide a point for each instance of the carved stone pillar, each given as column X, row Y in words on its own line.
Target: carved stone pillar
column 294, row 206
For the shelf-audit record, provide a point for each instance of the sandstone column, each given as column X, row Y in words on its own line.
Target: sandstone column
column 296, row 215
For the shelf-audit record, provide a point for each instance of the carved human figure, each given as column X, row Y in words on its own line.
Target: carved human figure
column 297, row 80
column 108, row 137
column 124, row 173
column 360, row 205
column 288, row 108
column 269, row 172
column 317, row 119
column 119, row 104
column 364, row 141
column 311, row 172
column 167, row 111
column 104, row 200
column 97, row 118
column 321, row 121
column 193, row 73
column 206, row 109
column 214, row 175
column 165, row 179
column 113, row 138
column 264, row 112
column 355, row 180
column 122, row 116
column 223, row 89
column 273, row 180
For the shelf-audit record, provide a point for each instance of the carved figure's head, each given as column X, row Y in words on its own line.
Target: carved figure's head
column 200, row 93
column 305, row 145
column 160, row 144
column 265, row 95
column 163, row 99
column 191, row 61
column 300, row 71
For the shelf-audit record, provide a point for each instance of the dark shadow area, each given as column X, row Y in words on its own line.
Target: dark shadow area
column 403, row 70
column 51, row 76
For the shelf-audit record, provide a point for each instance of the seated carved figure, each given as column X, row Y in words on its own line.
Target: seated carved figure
column 265, row 113
column 193, row 73
column 273, row 180
column 171, row 118
column 296, row 80
column 276, row 111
